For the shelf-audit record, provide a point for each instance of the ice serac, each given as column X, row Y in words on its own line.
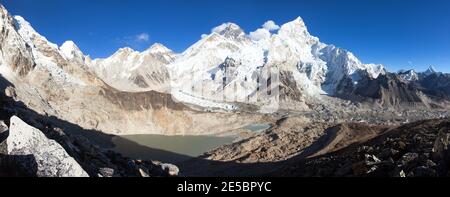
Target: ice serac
column 42, row 156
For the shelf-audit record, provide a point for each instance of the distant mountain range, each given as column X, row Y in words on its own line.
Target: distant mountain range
column 157, row 90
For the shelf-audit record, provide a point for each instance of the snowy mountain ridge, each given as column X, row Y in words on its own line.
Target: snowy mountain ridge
column 130, row 70
column 224, row 67
column 317, row 68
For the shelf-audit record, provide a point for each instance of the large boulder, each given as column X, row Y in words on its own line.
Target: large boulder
column 32, row 151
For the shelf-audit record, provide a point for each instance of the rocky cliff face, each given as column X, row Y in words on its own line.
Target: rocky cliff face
column 389, row 90
column 15, row 52
column 436, row 85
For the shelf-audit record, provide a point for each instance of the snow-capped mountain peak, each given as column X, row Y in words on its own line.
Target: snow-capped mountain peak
column 28, row 33
column 158, row 48
column 48, row 56
column 229, row 30
column 70, row 51
column 409, row 75
column 126, row 50
column 122, row 53
column 296, row 27
column 431, row 70
column 131, row 70
column 69, row 45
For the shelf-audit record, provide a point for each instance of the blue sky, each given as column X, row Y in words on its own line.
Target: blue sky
column 396, row 33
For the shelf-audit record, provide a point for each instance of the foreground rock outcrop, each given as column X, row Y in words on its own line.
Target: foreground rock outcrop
column 29, row 150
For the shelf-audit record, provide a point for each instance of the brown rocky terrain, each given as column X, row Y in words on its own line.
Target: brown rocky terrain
column 295, row 147
column 414, row 150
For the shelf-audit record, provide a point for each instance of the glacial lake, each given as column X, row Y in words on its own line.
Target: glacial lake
column 171, row 149
column 257, row 127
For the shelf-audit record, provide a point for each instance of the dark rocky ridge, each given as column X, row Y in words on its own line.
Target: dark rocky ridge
column 419, row 149
column 141, row 100
column 390, row 90
column 139, row 81
column 288, row 87
column 436, row 85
